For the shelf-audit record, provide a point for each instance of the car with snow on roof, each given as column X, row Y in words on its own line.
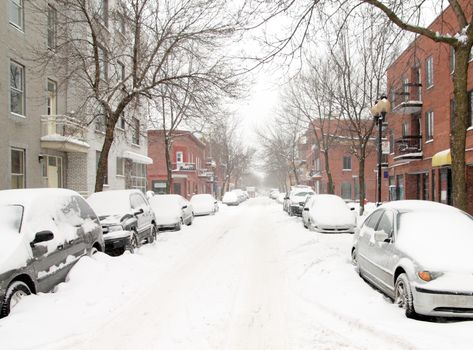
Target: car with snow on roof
column 43, row 233
column 419, row 254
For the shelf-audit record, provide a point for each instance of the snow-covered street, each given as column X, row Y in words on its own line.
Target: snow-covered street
column 250, row 277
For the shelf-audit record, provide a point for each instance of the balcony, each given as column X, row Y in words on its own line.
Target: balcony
column 210, row 163
column 63, row 133
column 408, row 147
column 409, row 99
column 315, row 174
column 184, row 167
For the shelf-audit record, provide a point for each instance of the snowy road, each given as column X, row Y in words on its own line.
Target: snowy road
column 248, row 278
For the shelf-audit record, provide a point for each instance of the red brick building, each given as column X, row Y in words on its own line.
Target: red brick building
column 192, row 172
column 344, row 167
column 421, row 93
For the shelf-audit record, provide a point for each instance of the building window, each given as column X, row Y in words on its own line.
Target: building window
column 17, row 88
column 391, row 142
column 405, row 89
column 100, row 124
column 103, row 11
column 17, row 168
column 120, row 166
column 135, row 137
column 121, row 71
column 346, row 190
column 179, row 157
column 452, row 59
column 429, row 125
column 425, row 186
column 103, row 63
column 52, row 27
column 15, row 13
column 138, row 176
column 52, row 97
column 122, row 123
column 432, row 183
column 405, row 126
column 97, row 158
column 346, row 162
column 429, row 72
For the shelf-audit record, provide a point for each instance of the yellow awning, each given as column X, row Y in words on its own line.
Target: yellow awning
column 442, row 158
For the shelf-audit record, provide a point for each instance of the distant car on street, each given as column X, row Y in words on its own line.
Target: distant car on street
column 171, row 211
column 231, row 198
column 273, row 193
column 204, row 204
column 43, row 233
column 328, row 213
column 297, row 199
column 126, row 217
column 420, row 254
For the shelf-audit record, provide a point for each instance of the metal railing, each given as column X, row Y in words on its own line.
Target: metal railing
column 62, row 125
column 409, row 144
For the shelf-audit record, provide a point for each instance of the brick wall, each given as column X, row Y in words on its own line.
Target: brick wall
column 76, row 172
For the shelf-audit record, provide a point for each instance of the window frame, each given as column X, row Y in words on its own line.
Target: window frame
column 52, row 29
column 429, row 72
column 429, row 126
column 120, row 166
column 21, row 8
column 181, row 157
column 22, row 91
column 344, row 190
column 103, row 62
column 135, row 136
column 22, row 165
column 347, row 159
column 53, row 83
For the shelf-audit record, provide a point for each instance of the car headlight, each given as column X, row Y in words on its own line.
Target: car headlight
column 115, row 228
column 428, row 276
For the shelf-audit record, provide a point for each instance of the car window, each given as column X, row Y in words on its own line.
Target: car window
column 386, row 223
column 70, row 212
column 86, row 212
column 137, row 201
column 373, row 219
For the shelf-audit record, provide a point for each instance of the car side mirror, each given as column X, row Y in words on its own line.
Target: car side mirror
column 306, row 209
column 352, row 208
column 286, row 197
column 380, row 236
column 42, row 236
column 184, row 207
column 215, row 202
column 139, row 211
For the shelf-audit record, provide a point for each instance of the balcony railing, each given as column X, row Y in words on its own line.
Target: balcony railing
column 63, row 133
column 184, row 167
column 408, row 147
column 408, row 99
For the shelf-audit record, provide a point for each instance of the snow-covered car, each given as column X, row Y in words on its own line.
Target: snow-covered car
column 419, row 254
column 126, row 217
column 231, row 198
column 204, row 204
column 297, row 200
column 328, row 213
column 273, row 193
column 171, row 211
column 44, row 232
column 240, row 195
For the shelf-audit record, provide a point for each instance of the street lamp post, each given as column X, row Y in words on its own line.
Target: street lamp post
column 379, row 111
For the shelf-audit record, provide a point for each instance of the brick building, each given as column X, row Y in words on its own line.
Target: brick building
column 421, row 93
column 192, row 171
column 344, row 167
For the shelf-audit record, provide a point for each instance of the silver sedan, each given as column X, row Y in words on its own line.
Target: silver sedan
column 419, row 254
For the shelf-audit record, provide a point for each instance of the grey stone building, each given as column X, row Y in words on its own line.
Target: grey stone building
column 43, row 143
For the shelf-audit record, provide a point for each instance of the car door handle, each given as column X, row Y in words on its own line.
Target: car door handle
column 60, row 247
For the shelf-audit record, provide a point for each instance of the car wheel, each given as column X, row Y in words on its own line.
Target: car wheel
column 178, row 226
column 93, row 250
column 304, row 224
column 403, row 295
column 191, row 220
column 15, row 292
column 354, row 259
column 154, row 234
column 133, row 245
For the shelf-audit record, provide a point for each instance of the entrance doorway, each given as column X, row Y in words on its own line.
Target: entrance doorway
column 52, row 171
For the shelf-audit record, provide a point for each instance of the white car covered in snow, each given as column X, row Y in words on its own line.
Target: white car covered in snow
column 420, row 254
column 43, row 233
column 328, row 213
column 231, row 198
column 171, row 211
column 204, row 204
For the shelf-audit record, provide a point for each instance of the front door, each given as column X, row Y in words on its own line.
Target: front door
column 54, row 171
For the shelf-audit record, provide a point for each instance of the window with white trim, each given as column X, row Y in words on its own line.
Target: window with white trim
column 429, row 125
column 103, row 63
column 429, row 71
column 15, row 13
column 135, row 137
column 52, row 27
column 346, row 190
column 138, row 176
column 17, row 168
column 17, row 88
column 179, row 157
column 346, row 162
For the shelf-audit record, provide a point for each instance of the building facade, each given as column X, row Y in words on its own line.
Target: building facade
column 192, row 171
column 44, row 143
column 421, row 93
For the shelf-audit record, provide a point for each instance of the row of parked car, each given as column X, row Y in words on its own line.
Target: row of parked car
column 43, row 232
column 235, row 197
column 418, row 253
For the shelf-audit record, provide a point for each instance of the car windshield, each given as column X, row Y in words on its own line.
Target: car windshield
column 110, row 203
column 164, row 201
column 11, row 217
column 205, row 198
column 303, row 194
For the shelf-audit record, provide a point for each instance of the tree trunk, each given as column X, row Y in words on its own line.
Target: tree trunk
column 167, row 151
column 459, row 126
column 102, row 166
column 361, row 184
column 330, row 189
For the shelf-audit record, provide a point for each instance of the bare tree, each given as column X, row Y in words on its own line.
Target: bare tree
column 112, row 58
